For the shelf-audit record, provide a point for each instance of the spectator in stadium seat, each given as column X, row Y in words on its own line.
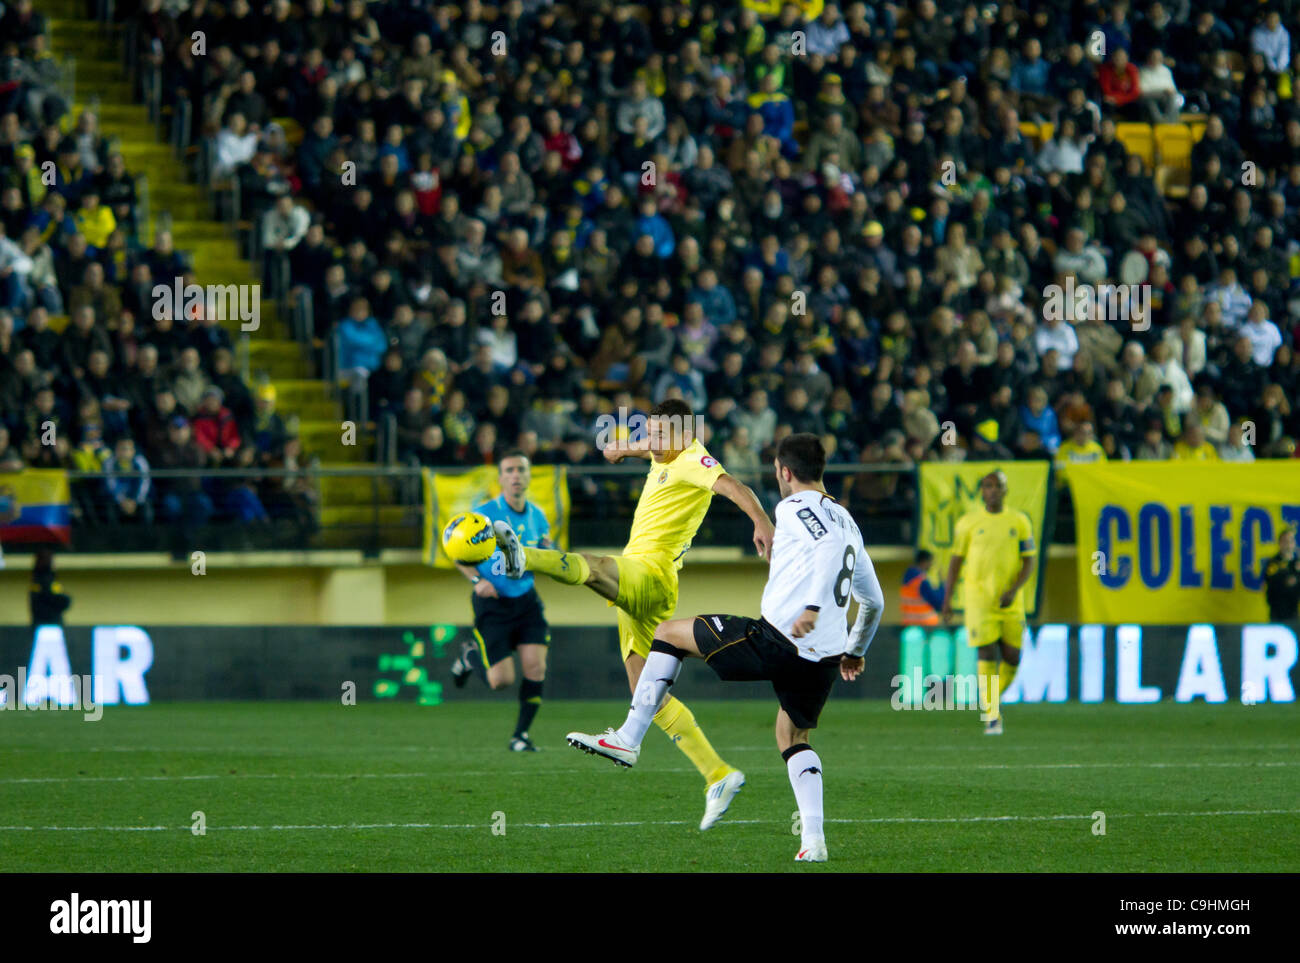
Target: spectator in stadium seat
column 1193, row 446
column 688, row 381
column 361, row 343
column 1234, row 447
column 215, row 430
column 127, row 483
column 189, row 380
column 1262, row 334
column 1171, row 373
column 1038, row 418
column 1120, row 89
column 1270, row 416
column 1272, row 40
column 1159, row 91
column 235, row 145
column 1212, row 415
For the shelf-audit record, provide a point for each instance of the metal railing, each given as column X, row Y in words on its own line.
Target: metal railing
column 371, row 508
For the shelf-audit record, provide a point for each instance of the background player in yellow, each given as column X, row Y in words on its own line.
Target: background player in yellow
column 997, row 544
column 642, row 581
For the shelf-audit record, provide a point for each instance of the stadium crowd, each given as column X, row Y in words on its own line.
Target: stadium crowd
column 514, row 219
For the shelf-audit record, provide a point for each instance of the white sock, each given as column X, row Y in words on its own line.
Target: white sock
column 658, row 673
column 805, row 769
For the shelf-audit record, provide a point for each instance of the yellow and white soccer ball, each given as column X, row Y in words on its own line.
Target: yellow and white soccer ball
column 469, row 539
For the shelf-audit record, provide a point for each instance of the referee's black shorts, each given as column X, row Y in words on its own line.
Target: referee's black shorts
column 504, row 623
column 741, row 649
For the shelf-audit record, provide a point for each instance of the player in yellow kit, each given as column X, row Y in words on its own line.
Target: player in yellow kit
column 642, row 581
column 997, row 543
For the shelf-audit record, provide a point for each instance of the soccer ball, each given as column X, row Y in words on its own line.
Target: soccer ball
column 469, row 539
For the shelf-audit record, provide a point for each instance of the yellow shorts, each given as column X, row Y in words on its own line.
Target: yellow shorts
column 990, row 627
column 647, row 595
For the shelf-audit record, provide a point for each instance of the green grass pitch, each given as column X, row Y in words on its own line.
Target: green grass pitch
column 400, row 787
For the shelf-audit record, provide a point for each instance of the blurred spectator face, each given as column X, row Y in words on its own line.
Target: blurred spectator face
column 1037, row 400
column 413, row 402
column 124, row 450
column 431, row 439
column 97, row 363
column 881, row 393
column 190, row 360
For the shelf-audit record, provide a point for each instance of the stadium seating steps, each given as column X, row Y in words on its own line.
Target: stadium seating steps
column 102, row 87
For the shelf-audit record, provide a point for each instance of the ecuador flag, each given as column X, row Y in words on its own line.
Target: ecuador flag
column 34, row 506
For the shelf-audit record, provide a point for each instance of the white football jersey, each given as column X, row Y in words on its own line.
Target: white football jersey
column 818, row 562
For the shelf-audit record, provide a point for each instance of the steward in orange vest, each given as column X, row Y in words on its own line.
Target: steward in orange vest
column 921, row 602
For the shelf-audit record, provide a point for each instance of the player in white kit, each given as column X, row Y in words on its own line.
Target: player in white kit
column 799, row 644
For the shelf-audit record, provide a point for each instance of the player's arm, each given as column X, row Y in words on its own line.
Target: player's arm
column 1026, row 546
column 482, row 587
column 954, row 572
column 616, row 452
column 871, row 608
column 744, row 498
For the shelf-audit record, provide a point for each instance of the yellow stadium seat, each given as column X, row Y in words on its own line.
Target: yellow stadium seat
column 1175, row 182
column 1174, row 145
column 1196, row 124
column 1138, row 139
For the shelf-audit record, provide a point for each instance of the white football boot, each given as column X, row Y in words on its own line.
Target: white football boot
column 511, row 547
column 608, row 744
column 813, row 852
column 719, row 795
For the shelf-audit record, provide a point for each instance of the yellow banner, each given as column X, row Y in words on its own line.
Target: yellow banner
column 1170, row 543
column 951, row 489
column 446, row 495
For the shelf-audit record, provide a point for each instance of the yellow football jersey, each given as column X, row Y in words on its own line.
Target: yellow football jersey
column 992, row 545
column 673, row 502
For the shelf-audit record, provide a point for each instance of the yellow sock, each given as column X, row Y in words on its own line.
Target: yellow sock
column 988, row 692
column 679, row 723
column 567, row 567
column 1006, row 673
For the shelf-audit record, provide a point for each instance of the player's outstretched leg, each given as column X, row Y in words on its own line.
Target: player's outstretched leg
column 804, row 767
column 722, row 781
column 597, row 572
column 623, row 745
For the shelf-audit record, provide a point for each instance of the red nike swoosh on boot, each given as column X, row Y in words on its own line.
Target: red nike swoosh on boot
column 602, row 742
